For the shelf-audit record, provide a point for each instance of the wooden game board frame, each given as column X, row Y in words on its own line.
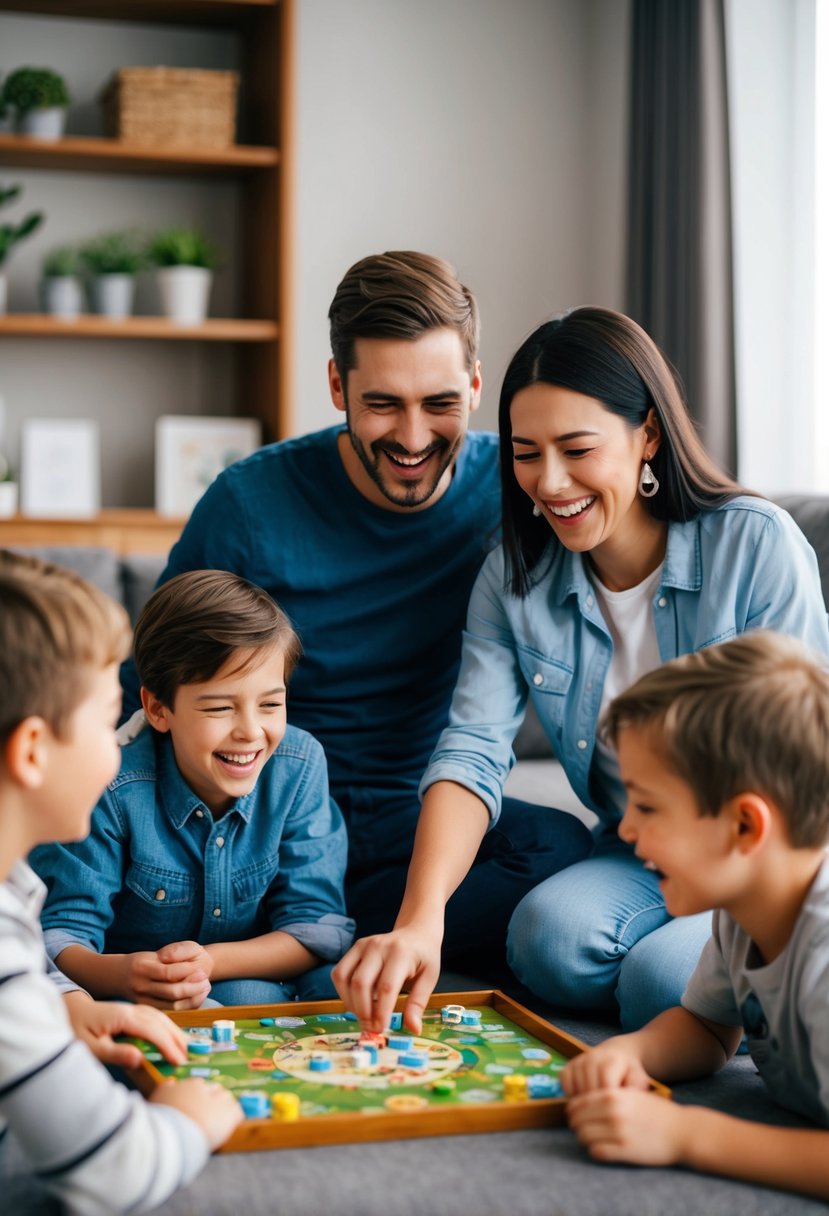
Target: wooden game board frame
column 352, row 1127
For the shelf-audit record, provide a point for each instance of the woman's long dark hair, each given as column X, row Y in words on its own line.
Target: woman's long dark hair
column 605, row 355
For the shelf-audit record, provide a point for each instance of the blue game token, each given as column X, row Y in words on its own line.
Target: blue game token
column 321, row 1065
column 412, row 1059
column 396, row 1021
column 266, row 1021
column 199, row 1049
column 350, row 1017
column 541, row 1086
column 400, row 1042
column 471, row 1017
column 254, row 1103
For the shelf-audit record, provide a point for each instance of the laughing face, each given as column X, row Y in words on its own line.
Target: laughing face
column 580, row 464
column 225, row 729
column 407, row 406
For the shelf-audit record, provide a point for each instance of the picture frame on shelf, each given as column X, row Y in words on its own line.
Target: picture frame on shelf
column 191, row 451
column 60, row 468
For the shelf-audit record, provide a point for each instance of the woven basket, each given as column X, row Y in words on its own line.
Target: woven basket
column 180, row 106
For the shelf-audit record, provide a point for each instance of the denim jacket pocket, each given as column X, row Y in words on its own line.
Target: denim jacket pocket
column 548, row 681
column 158, row 887
column 251, row 883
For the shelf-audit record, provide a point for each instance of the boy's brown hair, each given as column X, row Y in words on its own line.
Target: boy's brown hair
column 191, row 626
column 56, row 629
column 400, row 295
column 750, row 714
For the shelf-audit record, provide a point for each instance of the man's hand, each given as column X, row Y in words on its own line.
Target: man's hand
column 370, row 977
column 175, row 977
column 97, row 1023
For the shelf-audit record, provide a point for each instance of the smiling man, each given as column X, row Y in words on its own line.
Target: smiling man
column 370, row 535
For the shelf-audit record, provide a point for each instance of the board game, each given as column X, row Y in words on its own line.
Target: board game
column 305, row 1074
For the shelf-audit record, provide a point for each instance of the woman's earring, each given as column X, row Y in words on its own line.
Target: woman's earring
column 536, row 510
column 648, row 485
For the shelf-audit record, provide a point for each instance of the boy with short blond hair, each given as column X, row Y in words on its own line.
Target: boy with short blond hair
column 100, row 1148
column 725, row 757
column 213, row 868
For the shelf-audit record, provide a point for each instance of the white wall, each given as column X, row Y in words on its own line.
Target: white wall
column 490, row 134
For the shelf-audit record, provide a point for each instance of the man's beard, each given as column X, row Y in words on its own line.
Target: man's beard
column 418, row 492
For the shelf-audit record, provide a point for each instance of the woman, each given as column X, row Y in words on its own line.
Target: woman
column 624, row 546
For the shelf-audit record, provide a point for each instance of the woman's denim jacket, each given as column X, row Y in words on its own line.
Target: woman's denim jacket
column 745, row 565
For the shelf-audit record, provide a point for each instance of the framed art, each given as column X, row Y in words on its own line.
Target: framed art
column 60, row 473
column 191, row 451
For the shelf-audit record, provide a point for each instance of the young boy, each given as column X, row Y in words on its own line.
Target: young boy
column 215, row 860
column 99, row 1147
column 725, row 757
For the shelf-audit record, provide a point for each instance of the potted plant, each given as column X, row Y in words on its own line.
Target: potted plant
column 112, row 262
column 186, row 260
column 39, row 98
column 10, row 234
column 61, row 286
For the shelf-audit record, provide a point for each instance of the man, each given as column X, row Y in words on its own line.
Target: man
column 370, row 535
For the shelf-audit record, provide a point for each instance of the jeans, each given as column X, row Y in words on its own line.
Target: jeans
column 313, row 985
column 527, row 844
column 598, row 937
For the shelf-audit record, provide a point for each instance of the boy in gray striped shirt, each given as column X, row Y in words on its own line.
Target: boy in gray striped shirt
column 100, row 1148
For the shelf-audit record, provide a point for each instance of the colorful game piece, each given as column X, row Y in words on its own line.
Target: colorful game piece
column 254, row 1103
column 285, row 1107
column 515, row 1087
column 413, row 1059
column 372, row 1038
column 400, row 1042
column 396, row 1021
column 360, row 1057
column 443, row 1086
column 471, row 1017
column 266, row 1021
column 452, row 1014
column 199, row 1047
column 320, row 1063
column 350, row 1016
column 223, row 1031
column 540, row 1085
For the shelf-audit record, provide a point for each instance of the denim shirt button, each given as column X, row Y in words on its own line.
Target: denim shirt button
column 160, row 894
column 589, row 601
column 219, row 841
column 200, row 813
column 217, row 911
column 582, row 744
column 662, row 601
column 538, row 679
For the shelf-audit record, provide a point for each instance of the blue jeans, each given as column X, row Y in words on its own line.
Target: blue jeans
column 527, row 844
column 313, row 985
column 597, row 937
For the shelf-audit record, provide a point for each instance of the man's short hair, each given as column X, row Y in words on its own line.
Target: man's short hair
column 191, row 625
column 400, row 295
column 56, row 630
column 750, row 714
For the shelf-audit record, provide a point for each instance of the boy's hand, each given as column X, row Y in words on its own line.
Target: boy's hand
column 370, row 977
column 97, row 1022
column 211, row 1106
column 627, row 1125
column 174, row 977
column 611, row 1065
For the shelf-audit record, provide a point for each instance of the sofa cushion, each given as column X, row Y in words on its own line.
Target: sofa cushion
column 97, row 564
column 811, row 514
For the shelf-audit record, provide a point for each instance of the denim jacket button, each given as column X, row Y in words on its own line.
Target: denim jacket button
column 219, row 841
column 200, row 813
column 662, row 601
column 160, row 894
column 582, row 744
column 217, row 911
column 538, row 679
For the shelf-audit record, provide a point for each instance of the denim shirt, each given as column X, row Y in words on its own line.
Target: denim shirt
column 157, row 868
column 745, row 565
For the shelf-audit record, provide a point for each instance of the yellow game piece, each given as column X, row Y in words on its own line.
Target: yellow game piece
column 285, row 1107
column 515, row 1087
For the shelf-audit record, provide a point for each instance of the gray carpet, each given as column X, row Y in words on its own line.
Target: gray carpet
column 520, row 1173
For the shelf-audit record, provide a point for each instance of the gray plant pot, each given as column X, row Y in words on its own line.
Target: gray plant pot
column 46, row 123
column 112, row 294
column 63, row 296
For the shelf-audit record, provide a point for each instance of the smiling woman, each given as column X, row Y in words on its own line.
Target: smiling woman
column 624, row 546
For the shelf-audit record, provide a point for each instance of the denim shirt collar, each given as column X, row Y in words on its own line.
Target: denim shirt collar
column 176, row 797
column 682, row 567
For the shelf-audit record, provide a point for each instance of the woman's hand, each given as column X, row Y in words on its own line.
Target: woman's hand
column 370, row 977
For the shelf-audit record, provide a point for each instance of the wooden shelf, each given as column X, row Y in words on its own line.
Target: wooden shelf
column 215, row 329
column 175, row 12
column 124, row 531
column 89, row 155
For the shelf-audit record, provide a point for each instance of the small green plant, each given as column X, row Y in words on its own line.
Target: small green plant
column 183, row 247
column 61, row 263
column 10, row 234
column 34, row 89
column 114, row 253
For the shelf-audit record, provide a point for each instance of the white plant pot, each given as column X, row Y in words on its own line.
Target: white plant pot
column 4, row 293
column 46, row 123
column 8, row 499
column 63, row 296
column 112, row 294
column 184, row 292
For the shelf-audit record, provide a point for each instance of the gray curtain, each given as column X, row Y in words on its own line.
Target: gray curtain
column 679, row 271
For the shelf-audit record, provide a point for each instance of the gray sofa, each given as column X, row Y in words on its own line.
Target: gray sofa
column 521, row 1173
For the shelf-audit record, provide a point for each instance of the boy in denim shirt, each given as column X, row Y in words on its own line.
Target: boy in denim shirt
column 215, row 860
